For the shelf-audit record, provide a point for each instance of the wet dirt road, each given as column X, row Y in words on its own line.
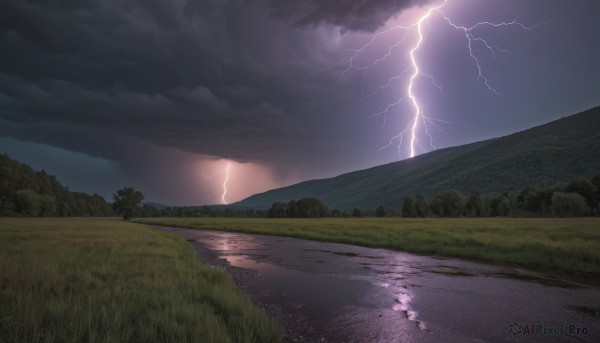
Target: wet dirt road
column 329, row 292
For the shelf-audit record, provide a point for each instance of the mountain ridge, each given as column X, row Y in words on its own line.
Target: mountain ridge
column 541, row 155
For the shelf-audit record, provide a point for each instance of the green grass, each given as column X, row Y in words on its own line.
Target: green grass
column 105, row 280
column 550, row 245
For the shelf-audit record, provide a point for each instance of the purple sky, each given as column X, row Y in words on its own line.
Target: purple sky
column 161, row 95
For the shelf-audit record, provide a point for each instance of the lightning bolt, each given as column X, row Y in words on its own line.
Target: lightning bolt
column 415, row 66
column 224, row 185
column 223, row 200
column 418, row 116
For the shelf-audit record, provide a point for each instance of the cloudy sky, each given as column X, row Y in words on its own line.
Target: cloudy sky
column 163, row 95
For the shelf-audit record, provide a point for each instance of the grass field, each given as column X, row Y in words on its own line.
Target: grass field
column 105, row 280
column 551, row 245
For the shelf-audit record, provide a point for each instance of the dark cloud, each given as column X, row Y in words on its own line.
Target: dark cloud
column 184, row 74
column 354, row 15
column 138, row 81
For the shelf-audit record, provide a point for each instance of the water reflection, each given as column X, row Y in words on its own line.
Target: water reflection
column 317, row 294
column 353, row 293
column 225, row 241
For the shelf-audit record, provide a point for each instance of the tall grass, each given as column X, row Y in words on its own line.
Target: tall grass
column 563, row 245
column 104, row 280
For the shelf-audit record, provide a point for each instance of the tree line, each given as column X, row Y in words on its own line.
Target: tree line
column 29, row 193
column 577, row 198
column 26, row 192
column 148, row 210
column 303, row 208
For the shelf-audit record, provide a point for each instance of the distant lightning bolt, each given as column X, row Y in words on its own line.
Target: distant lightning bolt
column 223, row 200
column 418, row 116
column 225, row 182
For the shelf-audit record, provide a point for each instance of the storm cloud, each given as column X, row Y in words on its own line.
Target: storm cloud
column 250, row 81
column 353, row 15
column 151, row 70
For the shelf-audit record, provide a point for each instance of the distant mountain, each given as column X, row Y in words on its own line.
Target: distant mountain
column 554, row 152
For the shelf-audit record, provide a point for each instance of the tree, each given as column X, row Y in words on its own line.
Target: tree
column 503, row 206
column 28, row 202
column 229, row 213
column 583, row 187
column 292, row 209
column 530, row 200
column 421, row 205
column 568, row 205
column 437, row 206
column 47, row 205
column 545, row 197
column 380, row 212
column 512, row 198
column 339, row 214
column 478, row 205
column 126, row 201
column 303, row 208
column 408, row 209
column 312, row 208
column 357, row 213
column 449, row 204
column 148, row 211
column 64, row 210
column 278, row 210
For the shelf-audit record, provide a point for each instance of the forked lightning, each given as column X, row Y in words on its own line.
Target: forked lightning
column 418, row 117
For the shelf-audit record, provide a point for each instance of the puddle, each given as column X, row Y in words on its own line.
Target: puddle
column 318, row 295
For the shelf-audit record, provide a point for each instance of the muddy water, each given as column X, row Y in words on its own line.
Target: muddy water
column 341, row 293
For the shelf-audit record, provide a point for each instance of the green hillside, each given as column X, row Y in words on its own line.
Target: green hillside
column 554, row 152
column 30, row 193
